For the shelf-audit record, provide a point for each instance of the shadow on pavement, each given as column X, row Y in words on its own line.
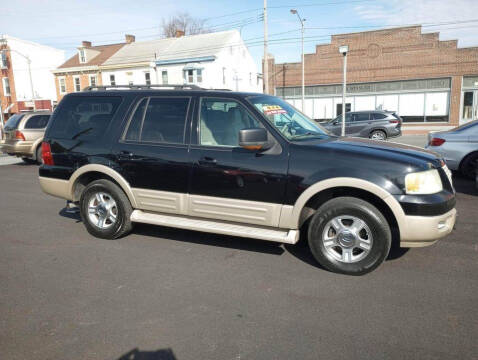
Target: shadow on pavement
column 136, row 354
column 463, row 185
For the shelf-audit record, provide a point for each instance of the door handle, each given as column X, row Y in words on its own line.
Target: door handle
column 206, row 160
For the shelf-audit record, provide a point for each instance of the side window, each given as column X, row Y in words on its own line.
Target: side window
column 84, row 117
column 164, row 121
column 37, row 122
column 379, row 116
column 220, row 121
column 361, row 117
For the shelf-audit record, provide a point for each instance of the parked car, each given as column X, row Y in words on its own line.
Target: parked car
column 377, row 125
column 23, row 135
column 459, row 147
column 241, row 164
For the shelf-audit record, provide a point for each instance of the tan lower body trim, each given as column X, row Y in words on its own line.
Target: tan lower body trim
column 55, row 187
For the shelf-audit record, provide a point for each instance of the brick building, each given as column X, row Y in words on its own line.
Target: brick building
column 83, row 68
column 432, row 84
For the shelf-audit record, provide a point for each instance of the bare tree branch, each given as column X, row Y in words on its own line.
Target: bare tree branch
column 183, row 22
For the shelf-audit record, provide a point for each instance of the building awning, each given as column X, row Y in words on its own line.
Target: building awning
column 185, row 61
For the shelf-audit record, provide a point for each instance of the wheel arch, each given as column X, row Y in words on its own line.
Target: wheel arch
column 317, row 194
column 85, row 174
column 474, row 152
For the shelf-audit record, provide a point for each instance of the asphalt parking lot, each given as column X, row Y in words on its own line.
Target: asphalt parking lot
column 163, row 293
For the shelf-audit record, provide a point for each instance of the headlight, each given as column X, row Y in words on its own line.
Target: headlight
column 424, row 182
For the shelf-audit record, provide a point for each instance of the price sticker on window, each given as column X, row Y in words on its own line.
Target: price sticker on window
column 272, row 110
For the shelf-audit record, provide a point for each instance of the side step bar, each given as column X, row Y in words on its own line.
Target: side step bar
column 216, row 226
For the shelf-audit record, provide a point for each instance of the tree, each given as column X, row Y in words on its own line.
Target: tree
column 183, row 22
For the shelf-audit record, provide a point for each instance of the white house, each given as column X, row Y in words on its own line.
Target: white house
column 25, row 68
column 218, row 60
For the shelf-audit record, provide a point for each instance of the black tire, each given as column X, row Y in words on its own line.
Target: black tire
column 469, row 165
column 373, row 218
column 123, row 224
column 38, row 155
column 378, row 135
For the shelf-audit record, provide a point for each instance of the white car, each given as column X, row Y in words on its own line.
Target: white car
column 459, row 147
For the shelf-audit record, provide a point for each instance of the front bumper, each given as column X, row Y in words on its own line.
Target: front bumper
column 425, row 230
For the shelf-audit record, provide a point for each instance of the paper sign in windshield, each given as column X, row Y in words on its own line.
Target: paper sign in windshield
column 273, row 110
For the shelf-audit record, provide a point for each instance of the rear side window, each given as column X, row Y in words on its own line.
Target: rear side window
column 159, row 120
column 13, row 122
column 37, row 122
column 361, row 117
column 84, row 117
column 379, row 116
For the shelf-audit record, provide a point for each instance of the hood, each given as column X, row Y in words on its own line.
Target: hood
column 380, row 150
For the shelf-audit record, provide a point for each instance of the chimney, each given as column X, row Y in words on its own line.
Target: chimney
column 179, row 33
column 129, row 38
column 86, row 44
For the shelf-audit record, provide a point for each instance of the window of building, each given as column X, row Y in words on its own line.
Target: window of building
column 112, row 80
column 92, row 80
column 82, row 55
column 163, row 121
column 221, row 120
column 192, row 76
column 6, row 86
column 62, row 85
column 85, row 118
column 3, row 59
column 76, row 83
column 348, row 107
column 147, row 78
column 199, row 75
column 37, row 122
column 164, row 77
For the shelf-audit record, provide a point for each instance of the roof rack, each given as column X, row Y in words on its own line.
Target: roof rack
column 142, row 87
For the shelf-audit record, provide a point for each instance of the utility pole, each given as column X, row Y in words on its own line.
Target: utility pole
column 294, row 11
column 31, row 80
column 266, row 61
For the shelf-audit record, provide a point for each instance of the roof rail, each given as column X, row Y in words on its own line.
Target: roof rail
column 142, row 87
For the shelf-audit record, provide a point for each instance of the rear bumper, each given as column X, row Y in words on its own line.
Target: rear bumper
column 425, row 230
column 17, row 149
column 394, row 132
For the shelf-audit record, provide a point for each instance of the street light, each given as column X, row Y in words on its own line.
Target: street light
column 344, row 49
column 295, row 12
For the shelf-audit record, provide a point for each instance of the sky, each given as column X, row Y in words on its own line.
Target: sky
column 65, row 23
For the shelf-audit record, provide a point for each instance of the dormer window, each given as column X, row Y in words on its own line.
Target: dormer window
column 82, row 55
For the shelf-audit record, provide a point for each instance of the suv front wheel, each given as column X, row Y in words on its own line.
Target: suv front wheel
column 349, row 236
column 105, row 210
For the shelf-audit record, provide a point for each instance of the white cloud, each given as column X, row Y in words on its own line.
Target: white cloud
column 427, row 12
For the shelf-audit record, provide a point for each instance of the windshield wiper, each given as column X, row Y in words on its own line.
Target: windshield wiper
column 81, row 133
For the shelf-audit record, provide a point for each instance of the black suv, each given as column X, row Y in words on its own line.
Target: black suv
column 377, row 124
column 241, row 164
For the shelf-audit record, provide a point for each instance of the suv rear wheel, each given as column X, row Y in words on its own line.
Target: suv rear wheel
column 105, row 210
column 349, row 236
column 378, row 135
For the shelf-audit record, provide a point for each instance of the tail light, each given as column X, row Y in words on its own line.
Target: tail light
column 46, row 154
column 393, row 121
column 19, row 135
column 436, row 141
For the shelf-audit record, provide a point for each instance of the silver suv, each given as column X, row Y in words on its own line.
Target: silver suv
column 377, row 124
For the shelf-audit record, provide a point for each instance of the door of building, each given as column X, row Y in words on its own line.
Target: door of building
column 469, row 110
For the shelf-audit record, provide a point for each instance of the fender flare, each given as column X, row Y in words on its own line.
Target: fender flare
column 105, row 170
column 295, row 211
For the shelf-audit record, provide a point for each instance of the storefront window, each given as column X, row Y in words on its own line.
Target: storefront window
column 468, row 105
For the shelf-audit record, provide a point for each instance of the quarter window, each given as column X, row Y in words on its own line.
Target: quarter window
column 159, row 120
column 220, row 122
column 37, row 122
column 379, row 116
column 85, row 118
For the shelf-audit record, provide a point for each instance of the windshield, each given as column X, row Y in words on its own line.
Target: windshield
column 12, row 123
column 290, row 122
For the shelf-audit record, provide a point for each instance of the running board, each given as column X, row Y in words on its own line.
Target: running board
column 216, row 226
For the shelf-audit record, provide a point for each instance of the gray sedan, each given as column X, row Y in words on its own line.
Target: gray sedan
column 459, row 147
column 376, row 124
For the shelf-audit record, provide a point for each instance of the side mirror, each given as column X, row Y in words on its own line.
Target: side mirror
column 253, row 139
